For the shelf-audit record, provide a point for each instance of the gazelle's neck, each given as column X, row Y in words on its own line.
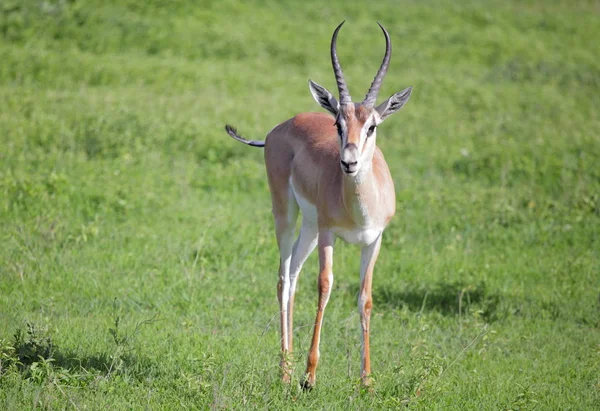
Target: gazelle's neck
column 360, row 194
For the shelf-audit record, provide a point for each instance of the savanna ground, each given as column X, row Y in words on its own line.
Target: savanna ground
column 138, row 264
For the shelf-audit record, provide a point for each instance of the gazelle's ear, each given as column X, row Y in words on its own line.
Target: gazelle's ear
column 394, row 103
column 324, row 98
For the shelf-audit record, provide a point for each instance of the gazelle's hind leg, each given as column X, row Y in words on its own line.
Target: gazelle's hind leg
column 285, row 212
column 305, row 244
column 279, row 158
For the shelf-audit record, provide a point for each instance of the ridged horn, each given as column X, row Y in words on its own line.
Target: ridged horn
column 337, row 69
column 371, row 97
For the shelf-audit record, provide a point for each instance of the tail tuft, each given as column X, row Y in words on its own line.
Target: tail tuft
column 232, row 131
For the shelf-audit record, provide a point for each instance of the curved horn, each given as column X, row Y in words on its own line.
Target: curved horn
column 371, row 96
column 337, row 69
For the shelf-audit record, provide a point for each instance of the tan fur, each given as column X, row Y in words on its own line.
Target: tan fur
column 306, row 148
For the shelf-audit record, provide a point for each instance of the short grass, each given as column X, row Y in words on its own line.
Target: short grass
column 138, row 261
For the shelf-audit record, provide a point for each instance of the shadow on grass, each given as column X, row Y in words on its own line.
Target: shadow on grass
column 455, row 299
column 447, row 298
column 102, row 362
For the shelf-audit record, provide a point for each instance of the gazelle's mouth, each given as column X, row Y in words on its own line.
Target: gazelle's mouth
column 349, row 169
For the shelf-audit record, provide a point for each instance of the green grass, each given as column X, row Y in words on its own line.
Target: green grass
column 138, row 265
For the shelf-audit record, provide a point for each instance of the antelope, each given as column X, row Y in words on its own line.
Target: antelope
column 330, row 169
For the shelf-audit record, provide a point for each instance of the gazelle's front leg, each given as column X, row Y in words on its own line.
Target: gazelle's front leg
column 326, row 241
column 365, row 302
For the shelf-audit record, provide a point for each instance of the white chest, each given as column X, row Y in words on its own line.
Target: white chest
column 363, row 235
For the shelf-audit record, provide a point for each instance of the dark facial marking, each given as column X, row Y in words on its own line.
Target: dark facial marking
column 370, row 131
column 340, row 130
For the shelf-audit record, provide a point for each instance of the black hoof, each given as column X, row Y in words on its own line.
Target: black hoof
column 306, row 385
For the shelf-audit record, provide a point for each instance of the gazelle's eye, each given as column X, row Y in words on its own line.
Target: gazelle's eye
column 370, row 131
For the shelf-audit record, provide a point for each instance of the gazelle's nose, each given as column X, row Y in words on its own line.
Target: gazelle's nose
column 349, row 159
column 349, row 165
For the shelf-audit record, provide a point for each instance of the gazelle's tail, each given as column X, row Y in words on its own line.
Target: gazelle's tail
column 233, row 133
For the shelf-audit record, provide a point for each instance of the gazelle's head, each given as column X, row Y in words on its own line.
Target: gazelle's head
column 357, row 122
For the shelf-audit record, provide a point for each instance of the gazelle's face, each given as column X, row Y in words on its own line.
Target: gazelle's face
column 357, row 126
column 357, row 129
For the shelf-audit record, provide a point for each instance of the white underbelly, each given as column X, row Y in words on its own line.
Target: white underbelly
column 358, row 235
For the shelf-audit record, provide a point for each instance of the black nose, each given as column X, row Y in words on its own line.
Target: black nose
column 350, row 165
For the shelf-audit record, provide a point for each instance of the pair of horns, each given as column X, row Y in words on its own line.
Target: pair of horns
column 371, row 96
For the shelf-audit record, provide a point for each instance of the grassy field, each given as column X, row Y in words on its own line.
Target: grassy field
column 138, row 265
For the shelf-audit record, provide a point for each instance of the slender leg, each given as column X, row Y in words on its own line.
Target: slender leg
column 285, row 227
column 365, row 302
column 326, row 241
column 306, row 243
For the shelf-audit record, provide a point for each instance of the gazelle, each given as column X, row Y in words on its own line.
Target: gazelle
column 331, row 170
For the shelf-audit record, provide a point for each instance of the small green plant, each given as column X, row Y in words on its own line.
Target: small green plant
column 32, row 345
column 41, row 370
column 123, row 340
column 525, row 400
column 7, row 356
column 31, row 352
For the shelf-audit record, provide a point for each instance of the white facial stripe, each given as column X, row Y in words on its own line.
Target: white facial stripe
column 376, row 118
